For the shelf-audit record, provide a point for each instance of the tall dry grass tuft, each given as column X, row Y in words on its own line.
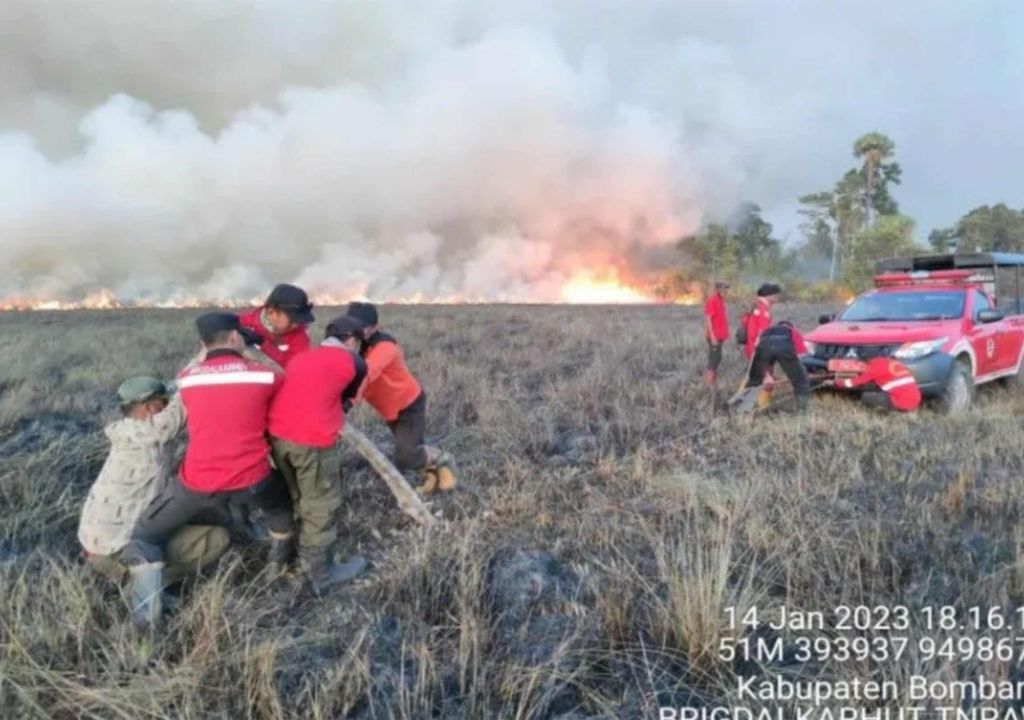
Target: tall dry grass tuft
column 702, row 573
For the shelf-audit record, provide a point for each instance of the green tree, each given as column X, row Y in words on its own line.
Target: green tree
column 836, row 218
column 752, row 236
column 875, row 151
column 891, row 236
column 850, row 212
column 742, row 249
column 992, row 228
column 821, row 238
column 711, row 254
column 942, row 240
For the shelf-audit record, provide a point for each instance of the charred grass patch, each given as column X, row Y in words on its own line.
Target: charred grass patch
column 605, row 520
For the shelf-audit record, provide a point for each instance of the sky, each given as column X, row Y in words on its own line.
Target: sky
column 468, row 149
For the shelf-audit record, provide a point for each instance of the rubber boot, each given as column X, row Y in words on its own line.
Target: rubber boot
column 146, row 594
column 324, row 572
column 429, row 484
column 282, row 550
column 439, row 473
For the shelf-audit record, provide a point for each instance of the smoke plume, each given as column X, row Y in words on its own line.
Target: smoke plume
column 479, row 150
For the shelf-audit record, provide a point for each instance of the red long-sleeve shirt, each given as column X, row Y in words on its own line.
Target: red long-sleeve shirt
column 894, row 379
column 226, row 399
column 759, row 320
column 279, row 348
column 307, row 409
column 716, row 325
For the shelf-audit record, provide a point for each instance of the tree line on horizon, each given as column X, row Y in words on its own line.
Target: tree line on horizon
column 845, row 229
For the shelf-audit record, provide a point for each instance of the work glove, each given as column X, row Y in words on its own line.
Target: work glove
column 251, row 337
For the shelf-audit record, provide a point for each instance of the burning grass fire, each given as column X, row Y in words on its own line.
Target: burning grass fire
column 585, row 287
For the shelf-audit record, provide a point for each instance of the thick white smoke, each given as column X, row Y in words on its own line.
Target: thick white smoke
column 207, row 149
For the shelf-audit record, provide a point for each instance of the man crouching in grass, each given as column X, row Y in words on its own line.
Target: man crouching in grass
column 136, row 469
column 226, row 471
column 305, row 419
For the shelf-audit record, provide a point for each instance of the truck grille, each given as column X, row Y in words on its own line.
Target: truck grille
column 864, row 352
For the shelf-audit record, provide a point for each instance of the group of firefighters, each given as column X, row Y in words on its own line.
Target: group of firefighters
column 886, row 382
column 264, row 409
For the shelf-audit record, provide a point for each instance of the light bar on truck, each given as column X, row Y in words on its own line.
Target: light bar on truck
column 928, row 277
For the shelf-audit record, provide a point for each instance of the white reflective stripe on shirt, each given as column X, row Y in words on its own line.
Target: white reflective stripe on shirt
column 898, row 382
column 251, row 377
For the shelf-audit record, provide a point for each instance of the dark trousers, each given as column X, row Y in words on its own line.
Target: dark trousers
column 772, row 352
column 876, row 399
column 409, row 429
column 714, row 355
column 176, row 505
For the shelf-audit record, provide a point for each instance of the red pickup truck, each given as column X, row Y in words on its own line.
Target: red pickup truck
column 940, row 316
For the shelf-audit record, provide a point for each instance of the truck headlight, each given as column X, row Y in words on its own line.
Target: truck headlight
column 811, row 347
column 915, row 350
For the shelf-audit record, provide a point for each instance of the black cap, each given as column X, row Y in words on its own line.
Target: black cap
column 768, row 289
column 344, row 327
column 367, row 312
column 293, row 301
column 212, row 324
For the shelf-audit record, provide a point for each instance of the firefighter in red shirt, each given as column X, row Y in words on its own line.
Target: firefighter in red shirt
column 716, row 331
column 281, row 323
column 396, row 395
column 305, row 420
column 226, row 466
column 760, row 318
column 897, row 389
column 756, row 322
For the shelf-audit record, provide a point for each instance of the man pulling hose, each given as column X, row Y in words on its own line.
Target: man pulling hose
column 398, row 398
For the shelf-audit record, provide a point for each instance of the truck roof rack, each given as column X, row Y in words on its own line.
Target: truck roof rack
column 930, row 277
column 956, row 261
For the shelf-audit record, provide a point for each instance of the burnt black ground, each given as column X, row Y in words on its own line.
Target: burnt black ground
column 604, row 521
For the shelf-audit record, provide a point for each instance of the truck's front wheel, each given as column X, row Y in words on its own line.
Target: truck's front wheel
column 959, row 392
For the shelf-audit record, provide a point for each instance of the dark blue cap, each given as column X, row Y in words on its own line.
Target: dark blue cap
column 212, row 324
column 364, row 311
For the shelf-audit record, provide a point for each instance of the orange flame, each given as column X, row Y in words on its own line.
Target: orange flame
column 596, row 288
column 607, row 286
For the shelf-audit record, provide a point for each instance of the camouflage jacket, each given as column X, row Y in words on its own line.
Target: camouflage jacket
column 139, row 464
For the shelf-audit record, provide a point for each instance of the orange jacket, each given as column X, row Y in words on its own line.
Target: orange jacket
column 389, row 387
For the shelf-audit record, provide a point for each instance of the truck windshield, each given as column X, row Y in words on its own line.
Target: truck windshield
column 920, row 305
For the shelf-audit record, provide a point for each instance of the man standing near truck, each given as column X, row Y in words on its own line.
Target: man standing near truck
column 716, row 332
column 780, row 345
column 757, row 321
column 760, row 318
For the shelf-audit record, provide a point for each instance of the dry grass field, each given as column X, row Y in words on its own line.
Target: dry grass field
column 604, row 523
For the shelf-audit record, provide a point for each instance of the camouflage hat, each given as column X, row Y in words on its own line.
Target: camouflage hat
column 140, row 389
